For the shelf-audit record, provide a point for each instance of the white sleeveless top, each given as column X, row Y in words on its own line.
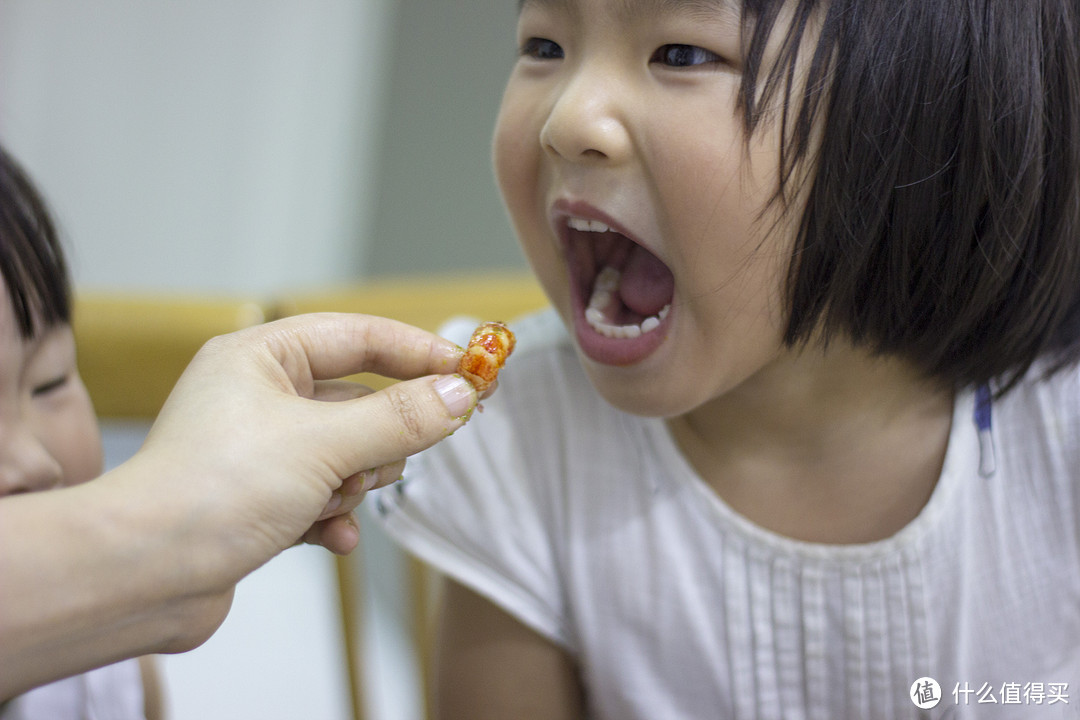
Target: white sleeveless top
column 589, row 526
column 114, row 692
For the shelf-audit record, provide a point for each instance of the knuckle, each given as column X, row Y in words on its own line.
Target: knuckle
column 409, row 413
column 215, row 346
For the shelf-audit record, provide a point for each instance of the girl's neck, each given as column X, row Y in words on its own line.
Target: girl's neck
column 833, row 447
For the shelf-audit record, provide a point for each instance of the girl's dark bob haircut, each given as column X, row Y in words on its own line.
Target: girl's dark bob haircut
column 942, row 215
column 31, row 258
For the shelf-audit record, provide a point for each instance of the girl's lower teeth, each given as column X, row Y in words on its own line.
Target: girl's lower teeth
column 607, row 284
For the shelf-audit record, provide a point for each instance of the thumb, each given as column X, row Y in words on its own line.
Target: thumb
column 398, row 421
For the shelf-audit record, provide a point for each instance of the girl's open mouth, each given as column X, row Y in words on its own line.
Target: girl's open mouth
column 622, row 293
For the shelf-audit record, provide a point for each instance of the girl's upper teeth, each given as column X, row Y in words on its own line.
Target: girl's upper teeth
column 587, row 225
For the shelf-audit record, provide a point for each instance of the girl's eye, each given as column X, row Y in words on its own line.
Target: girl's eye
column 51, row 386
column 681, row 56
column 541, row 49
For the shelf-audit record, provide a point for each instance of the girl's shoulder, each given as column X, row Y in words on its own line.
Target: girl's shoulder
column 1037, row 425
column 1044, row 399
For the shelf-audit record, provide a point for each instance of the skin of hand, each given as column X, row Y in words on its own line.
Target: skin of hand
column 277, row 451
column 245, row 460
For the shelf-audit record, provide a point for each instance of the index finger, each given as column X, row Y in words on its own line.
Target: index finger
column 333, row 345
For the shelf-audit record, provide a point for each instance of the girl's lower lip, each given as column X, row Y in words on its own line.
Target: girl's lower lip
column 618, row 352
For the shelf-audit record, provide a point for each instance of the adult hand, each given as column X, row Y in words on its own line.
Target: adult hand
column 266, row 445
column 243, row 461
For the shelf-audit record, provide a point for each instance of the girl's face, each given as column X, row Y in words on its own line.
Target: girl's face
column 622, row 158
column 48, row 432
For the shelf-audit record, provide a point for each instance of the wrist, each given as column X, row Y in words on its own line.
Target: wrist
column 89, row 580
column 171, row 535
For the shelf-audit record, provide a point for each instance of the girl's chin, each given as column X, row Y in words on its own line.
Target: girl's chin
column 655, row 388
column 633, row 375
column 645, row 399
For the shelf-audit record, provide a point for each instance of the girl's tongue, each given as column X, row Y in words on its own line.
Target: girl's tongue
column 647, row 283
column 631, row 292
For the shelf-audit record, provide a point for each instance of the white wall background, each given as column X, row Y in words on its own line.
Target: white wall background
column 437, row 206
column 211, row 145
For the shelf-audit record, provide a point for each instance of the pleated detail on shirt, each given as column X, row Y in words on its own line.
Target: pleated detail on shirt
column 806, row 631
column 724, row 618
column 784, row 618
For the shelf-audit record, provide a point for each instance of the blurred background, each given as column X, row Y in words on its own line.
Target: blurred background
column 255, row 145
column 258, row 148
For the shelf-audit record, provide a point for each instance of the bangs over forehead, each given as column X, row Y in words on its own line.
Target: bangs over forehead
column 768, row 83
column 31, row 260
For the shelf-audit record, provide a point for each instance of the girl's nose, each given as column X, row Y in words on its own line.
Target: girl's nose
column 587, row 123
column 26, row 465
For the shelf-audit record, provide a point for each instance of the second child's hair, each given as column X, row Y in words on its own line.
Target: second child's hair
column 942, row 216
column 31, row 258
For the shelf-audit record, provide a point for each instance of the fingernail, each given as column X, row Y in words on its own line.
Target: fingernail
column 370, row 479
column 334, row 504
column 456, row 393
column 355, row 484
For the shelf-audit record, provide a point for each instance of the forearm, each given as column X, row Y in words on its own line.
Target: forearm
column 90, row 575
column 240, row 464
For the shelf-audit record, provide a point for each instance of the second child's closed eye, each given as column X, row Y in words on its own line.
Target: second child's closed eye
column 50, row 386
